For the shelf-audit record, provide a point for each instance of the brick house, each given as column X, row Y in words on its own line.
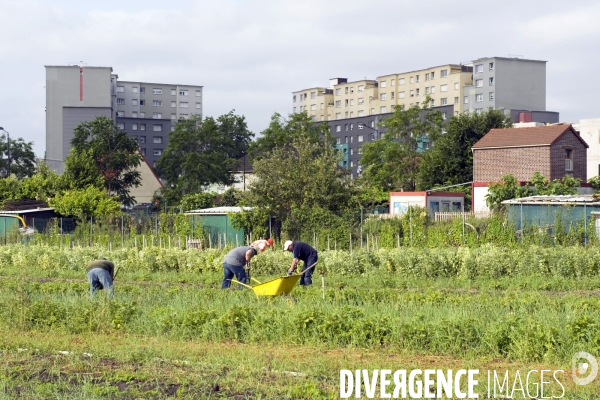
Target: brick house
column 554, row 151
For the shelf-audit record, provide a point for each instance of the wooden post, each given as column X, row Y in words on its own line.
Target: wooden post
column 236, row 240
column 327, row 242
column 368, row 242
column 110, row 246
column 210, row 240
column 351, row 243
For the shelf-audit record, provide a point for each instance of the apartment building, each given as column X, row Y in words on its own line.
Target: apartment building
column 146, row 111
column 589, row 130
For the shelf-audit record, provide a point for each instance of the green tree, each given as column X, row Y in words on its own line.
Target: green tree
column 231, row 197
column 83, row 203
column 282, row 131
column 449, row 161
column 114, row 154
column 22, row 158
column 197, row 201
column 392, row 162
column 81, row 171
column 43, row 185
column 201, row 152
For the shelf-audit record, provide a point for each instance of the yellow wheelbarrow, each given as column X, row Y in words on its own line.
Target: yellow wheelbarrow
column 274, row 287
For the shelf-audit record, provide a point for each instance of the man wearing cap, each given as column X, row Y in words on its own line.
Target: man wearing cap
column 234, row 262
column 101, row 274
column 302, row 251
column 262, row 244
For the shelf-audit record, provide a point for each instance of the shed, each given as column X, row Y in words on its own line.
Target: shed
column 433, row 201
column 215, row 223
column 545, row 211
column 36, row 218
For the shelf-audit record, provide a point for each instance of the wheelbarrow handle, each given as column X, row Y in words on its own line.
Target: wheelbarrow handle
column 311, row 267
column 240, row 283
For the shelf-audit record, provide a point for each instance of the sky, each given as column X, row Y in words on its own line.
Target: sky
column 251, row 55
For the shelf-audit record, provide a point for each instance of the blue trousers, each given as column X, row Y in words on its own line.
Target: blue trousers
column 229, row 271
column 306, row 278
column 100, row 279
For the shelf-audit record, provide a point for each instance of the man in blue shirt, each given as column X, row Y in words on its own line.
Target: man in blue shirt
column 302, row 251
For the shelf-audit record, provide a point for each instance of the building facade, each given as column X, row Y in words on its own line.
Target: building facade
column 589, row 130
column 146, row 111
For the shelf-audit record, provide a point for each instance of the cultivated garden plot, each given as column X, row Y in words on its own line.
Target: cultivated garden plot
column 170, row 330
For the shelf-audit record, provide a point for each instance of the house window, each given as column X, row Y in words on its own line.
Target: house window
column 142, row 139
column 157, row 128
column 478, row 110
column 346, row 102
column 479, row 97
column 338, row 115
column 361, row 113
column 456, row 86
column 432, row 102
column 491, row 66
column 417, row 78
column 313, row 95
column 120, row 89
column 383, row 110
column 157, row 139
column 351, row 114
column 412, row 79
column 568, row 160
column 183, row 104
column 361, row 88
column 401, row 95
column 427, row 76
column 491, row 95
column 121, row 125
column 183, row 92
column 351, row 128
column 157, row 152
column 134, row 89
column 142, row 90
column 120, row 101
column 373, row 137
column 199, row 93
column 199, row 105
column 361, row 101
column 479, row 82
column 143, row 150
column 156, row 91
column 142, row 114
column 338, row 92
column 338, row 103
column 492, row 81
column 338, row 128
column 433, row 75
column 134, row 102
column 156, row 103
column 173, row 92
column 294, row 110
column 360, row 139
column 134, row 127
column 382, row 84
column 313, row 107
column 345, row 141
column 346, row 114
column 456, row 100
column 444, row 115
column 351, row 102
column 120, row 113
column 173, row 116
column 479, row 68
column 427, row 90
column 383, row 96
column 393, row 82
column 142, row 102
column 346, row 90
column 173, row 104
column 443, row 101
column 142, row 127
column 443, row 88
column 156, row 115
column 134, row 114
column 351, row 89
column 183, row 116
column 433, row 89
column 444, row 73
column 351, row 152
column 393, row 95
column 466, row 99
column 401, row 81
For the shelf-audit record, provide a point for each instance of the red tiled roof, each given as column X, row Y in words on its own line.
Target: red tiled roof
column 522, row 137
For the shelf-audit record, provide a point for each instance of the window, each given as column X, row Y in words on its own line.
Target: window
column 444, row 101
column 372, row 124
column 382, row 84
column 466, row 99
column 157, row 139
column 173, row 92
column 142, row 102
column 156, row 91
column 142, row 90
column 120, row 101
column 134, row 127
column 351, row 164
column 346, row 102
column 345, row 141
column 156, row 115
column 351, row 102
column 313, row 95
column 401, row 95
column 142, row 139
column 338, row 91
column 134, row 102
column 444, row 73
column 360, row 125
column 134, row 89
column 383, row 109
column 492, row 81
column 393, row 95
column 383, row 96
column 444, row 115
column 351, row 152
column 479, row 82
column 491, row 66
column 338, row 115
column 412, row 79
column 322, row 106
column 183, row 116
column 351, row 128
column 479, row 68
column 427, row 90
column 360, row 139
column 479, row 110
column 183, row 92
column 361, row 88
column 294, row 98
column 143, row 150
column 157, row 128
column 443, row 88
column 361, row 113
column 456, row 100
column 433, row 89
column 294, row 110
column 346, row 127
column 373, row 136
column 346, row 114
column 199, row 93
column 313, row 107
column 134, row 114
column 173, row 116
column 433, row 75
column 156, row 103
column 173, row 104
column 183, row 104
column 120, row 113
column 199, row 105
column 338, row 140
column 351, row 114
column 417, row 91
column 142, row 114
column 338, row 103
column 121, row 125
column 393, row 83
column 352, row 90
column 432, row 102
column 157, row 152
column 120, row 89
column 568, row 160
column 417, row 78
column 456, row 86
column 478, row 97
column 346, row 90
column 401, row 81
column 491, row 95
column 361, row 101
column 142, row 127
column 427, row 76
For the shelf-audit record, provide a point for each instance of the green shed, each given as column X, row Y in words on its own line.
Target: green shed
column 215, row 223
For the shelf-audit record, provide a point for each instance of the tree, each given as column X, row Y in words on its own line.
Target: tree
column 22, row 158
column 392, row 162
column 449, row 161
column 81, row 171
column 231, row 197
column 43, row 185
column 201, row 152
column 282, row 132
column 84, row 203
column 197, row 201
column 114, row 154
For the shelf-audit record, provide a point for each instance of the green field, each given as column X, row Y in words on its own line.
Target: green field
column 170, row 330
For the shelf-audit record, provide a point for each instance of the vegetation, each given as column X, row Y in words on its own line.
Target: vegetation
column 22, row 158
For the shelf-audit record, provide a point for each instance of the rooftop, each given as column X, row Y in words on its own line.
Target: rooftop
column 525, row 137
column 218, row 210
column 577, row 199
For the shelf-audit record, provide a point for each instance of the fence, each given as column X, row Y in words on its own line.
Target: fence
column 448, row 216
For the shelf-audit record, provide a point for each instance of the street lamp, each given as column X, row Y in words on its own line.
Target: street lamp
column 7, row 148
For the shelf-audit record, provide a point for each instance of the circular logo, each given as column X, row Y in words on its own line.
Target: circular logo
column 584, row 372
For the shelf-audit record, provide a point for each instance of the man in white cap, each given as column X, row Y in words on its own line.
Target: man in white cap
column 305, row 252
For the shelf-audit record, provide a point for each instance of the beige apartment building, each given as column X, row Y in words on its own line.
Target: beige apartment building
column 361, row 98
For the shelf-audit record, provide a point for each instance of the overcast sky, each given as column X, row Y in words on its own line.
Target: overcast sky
column 250, row 55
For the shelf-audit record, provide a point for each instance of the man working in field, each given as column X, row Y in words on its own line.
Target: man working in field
column 233, row 264
column 302, row 251
column 101, row 274
column 262, row 244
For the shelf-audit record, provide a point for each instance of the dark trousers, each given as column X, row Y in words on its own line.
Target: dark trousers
column 306, row 278
column 229, row 271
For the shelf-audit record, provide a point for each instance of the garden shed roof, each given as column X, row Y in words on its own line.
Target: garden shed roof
column 577, row 199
